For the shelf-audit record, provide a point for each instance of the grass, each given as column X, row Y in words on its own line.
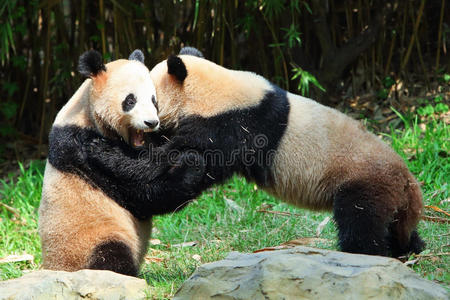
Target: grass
column 226, row 218
column 18, row 221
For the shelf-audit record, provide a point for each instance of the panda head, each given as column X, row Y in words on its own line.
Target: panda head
column 123, row 96
column 188, row 84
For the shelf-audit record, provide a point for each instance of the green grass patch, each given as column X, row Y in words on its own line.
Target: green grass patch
column 225, row 218
column 20, row 196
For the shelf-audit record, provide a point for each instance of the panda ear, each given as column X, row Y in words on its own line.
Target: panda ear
column 177, row 68
column 137, row 55
column 91, row 64
column 191, row 51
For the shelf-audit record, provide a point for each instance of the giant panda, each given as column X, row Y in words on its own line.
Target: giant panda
column 304, row 153
column 84, row 221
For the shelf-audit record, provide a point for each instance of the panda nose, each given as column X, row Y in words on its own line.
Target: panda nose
column 152, row 124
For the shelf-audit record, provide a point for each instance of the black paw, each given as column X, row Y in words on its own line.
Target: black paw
column 98, row 144
column 77, row 152
column 190, row 167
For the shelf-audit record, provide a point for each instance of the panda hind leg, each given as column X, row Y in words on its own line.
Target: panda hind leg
column 115, row 256
column 404, row 238
column 363, row 225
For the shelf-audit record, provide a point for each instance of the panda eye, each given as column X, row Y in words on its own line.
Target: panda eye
column 129, row 102
column 154, row 102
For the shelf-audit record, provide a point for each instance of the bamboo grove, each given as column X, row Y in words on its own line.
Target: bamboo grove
column 316, row 47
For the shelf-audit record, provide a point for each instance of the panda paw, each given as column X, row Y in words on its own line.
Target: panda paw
column 190, row 169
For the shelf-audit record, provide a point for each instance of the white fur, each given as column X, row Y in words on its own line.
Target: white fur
column 143, row 89
column 131, row 77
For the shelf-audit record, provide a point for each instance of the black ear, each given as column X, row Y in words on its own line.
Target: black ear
column 191, row 51
column 137, row 55
column 176, row 67
column 91, row 63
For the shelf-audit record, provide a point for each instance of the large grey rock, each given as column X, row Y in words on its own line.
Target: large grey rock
column 84, row 284
column 307, row 273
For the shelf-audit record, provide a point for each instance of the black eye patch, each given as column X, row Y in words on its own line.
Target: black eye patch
column 129, row 102
column 155, row 103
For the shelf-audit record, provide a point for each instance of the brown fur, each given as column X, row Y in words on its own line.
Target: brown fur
column 74, row 217
column 72, row 224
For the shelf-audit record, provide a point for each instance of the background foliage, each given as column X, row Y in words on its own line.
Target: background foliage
column 311, row 46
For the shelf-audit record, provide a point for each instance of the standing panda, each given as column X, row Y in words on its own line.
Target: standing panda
column 300, row 151
column 85, row 222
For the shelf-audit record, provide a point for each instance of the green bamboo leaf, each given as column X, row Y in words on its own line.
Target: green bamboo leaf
column 276, row 45
column 308, row 8
column 197, row 6
column 306, row 79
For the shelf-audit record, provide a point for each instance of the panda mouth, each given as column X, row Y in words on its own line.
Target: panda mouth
column 137, row 137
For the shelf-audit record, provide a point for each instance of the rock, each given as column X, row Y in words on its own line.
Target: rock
column 307, row 273
column 84, row 284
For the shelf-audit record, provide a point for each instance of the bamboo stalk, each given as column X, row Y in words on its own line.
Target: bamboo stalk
column 419, row 53
column 116, row 30
column 222, row 32
column 102, row 25
column 360, row 15
column 150, row 37
column 126, row 37
column 232, row 8
column 261, row 57
column 391, row 52
column 60, row 24
column 372, row 77
column 438, row 50
column 201, row 24
column 132, row 34
column 27, row 88
column 380, row 50
column 402, row 36
column 413, row 36
column 348, row 16
column 45, row 77
column 275, row 39
column 82, row 25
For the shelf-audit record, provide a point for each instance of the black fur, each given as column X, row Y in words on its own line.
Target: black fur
column 362, row 225
column 240, row 141
column 145, row 187
column 365, row 222
column 246, row 139
column 143, row 183
column 114, row 256
column 137, row 55
column 129, row 103
column 90, row 63
column 415, row 245
column 155, row 103
column 191, row 51
column 177, row 68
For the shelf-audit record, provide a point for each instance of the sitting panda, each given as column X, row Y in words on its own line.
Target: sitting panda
column 302, row 152
column 83, row 224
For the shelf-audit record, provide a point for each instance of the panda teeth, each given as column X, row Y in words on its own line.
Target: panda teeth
column 147, row 130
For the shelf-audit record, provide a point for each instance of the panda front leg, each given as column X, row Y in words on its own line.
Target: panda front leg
column 362, row 221
column 142, row 183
